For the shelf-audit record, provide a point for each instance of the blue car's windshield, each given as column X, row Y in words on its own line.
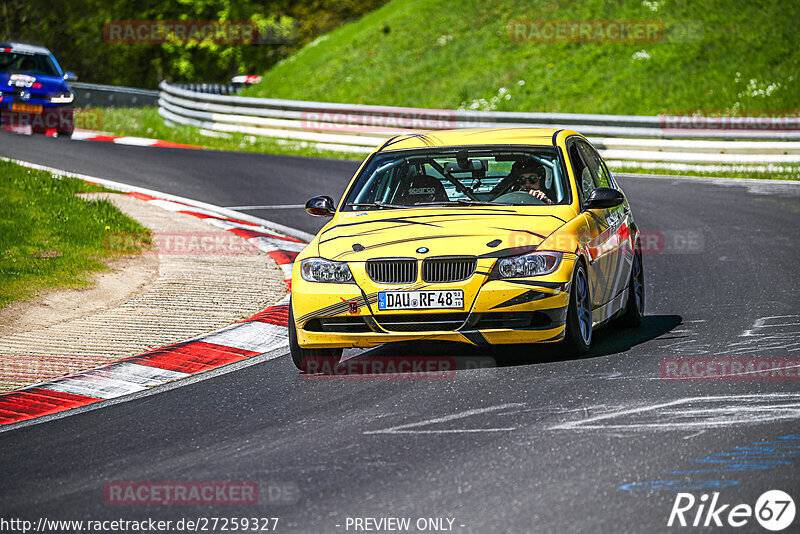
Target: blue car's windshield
column 460, row 177
column 19, row 63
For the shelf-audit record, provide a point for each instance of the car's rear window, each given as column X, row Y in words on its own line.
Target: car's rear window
column 19, row 63
column 459, row 176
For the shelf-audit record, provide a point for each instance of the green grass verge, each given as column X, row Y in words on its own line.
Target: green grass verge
column 714, row 55
column 50, row 238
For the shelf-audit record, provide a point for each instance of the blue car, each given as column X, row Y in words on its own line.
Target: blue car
column 34, row 90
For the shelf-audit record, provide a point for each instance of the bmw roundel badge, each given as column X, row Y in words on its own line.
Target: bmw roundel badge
column 422, row 250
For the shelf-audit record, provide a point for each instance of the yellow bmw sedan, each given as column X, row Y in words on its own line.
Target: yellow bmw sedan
column 487, row 236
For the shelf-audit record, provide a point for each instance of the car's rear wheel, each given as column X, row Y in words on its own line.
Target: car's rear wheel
column 578, row 333
column 634, row 308
column 311, row 361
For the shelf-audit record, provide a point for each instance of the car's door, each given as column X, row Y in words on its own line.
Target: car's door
column 616, row 249
column 598, row 267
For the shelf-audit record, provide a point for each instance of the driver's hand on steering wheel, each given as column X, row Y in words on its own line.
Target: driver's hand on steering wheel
column 540, row 195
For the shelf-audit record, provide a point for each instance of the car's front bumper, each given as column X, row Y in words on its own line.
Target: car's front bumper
column 39, row 114
column 522, row 310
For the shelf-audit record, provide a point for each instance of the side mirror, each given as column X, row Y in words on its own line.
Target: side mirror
column 321, row 206
column 70, row 77
column 604, row 197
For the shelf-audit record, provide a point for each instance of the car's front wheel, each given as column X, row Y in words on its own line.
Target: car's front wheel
column 311, row 361
column 578, row 332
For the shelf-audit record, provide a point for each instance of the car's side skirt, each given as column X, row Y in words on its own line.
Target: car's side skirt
column 604, row 313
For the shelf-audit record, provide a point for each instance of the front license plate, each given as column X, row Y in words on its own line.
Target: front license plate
column 421, row 300
column 26, row 108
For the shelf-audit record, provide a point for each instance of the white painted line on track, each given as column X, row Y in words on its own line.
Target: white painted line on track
column 412, row 428
column 715, row 411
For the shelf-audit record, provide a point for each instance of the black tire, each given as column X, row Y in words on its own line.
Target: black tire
column 311, row 361
column 634, row 307
column 67, row 128
column 578, row 332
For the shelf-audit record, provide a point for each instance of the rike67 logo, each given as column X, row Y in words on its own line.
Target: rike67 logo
column 774, row 510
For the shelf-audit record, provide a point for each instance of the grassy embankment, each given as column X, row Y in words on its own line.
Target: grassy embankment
column 50, row 238
column 715, row 57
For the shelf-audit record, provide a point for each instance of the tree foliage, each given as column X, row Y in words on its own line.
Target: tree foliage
column 73, row 31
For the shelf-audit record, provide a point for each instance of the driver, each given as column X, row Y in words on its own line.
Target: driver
column 530, row 179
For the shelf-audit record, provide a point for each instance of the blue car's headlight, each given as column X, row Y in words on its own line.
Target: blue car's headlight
column 320, row 270
column 534, row 264
column 64, row 98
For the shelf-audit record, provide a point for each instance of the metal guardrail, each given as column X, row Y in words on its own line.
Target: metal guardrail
column 97, row 95
column 211, row 88
column 360, row 128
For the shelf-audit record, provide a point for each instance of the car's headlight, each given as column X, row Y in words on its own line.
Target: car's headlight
column 64, row 98
column 534, row 264
column 320, row 270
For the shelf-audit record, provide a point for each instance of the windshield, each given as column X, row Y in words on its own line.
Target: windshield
column 460, row 176
column 19, row 63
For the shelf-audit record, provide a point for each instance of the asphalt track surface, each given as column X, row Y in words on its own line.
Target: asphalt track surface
column 534, row 443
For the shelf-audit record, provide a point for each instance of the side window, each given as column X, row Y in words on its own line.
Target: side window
column 595, row 164
column 583, row 175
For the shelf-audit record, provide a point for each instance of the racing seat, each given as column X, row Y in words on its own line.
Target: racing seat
column 424, row 188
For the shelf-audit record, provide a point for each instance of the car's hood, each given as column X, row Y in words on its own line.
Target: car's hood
column 35, row 84
column 491, row 231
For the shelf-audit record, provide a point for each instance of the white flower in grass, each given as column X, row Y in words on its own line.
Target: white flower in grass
column 653, row 5
column 444, row 39
column 641, row 54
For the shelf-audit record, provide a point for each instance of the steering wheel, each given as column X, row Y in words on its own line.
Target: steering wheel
column 520, row 198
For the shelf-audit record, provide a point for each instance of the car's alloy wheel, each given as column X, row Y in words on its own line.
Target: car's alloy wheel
column 578, row 331
column 311, row 361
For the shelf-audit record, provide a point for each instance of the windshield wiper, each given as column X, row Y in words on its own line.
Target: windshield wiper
column 469, row 202
column 377, row 204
